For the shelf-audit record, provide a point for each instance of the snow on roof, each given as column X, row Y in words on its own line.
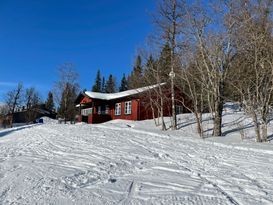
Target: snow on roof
column 112, row 96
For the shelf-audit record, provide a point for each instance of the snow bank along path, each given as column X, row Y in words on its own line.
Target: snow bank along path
column 112, row 164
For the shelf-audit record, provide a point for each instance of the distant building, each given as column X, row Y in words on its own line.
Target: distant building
column 27, row 116
column 24, row 116
column 133, row 104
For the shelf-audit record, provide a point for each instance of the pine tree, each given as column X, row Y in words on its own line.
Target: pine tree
column 103, row 85
column 149, row 71
column 97, row 86
column 123, row 84
column 136, row 77
column 49, row 104
column 165, row 63
column 110, row 85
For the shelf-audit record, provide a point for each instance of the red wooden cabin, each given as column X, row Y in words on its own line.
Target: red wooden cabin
column 133, row 104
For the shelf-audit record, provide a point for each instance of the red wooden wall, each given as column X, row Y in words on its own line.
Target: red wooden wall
column 141, row 107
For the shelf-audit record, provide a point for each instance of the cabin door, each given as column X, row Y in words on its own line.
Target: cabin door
column 85, row 119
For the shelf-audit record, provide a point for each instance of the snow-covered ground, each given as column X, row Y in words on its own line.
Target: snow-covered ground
column 125, row 162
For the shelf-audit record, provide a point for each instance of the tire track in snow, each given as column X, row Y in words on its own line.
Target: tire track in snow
column 145, row 168
column 230, row 198
column 130, row 194
column 220, row 188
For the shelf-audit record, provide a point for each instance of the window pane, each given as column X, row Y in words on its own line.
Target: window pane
column 118, row 109
column 128, row 107
column 86, row 112
column 107, row 109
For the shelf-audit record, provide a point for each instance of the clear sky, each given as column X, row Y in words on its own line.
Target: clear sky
column 37, row 36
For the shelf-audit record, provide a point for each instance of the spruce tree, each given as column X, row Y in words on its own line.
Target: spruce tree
column 97, row 86
column 165, row 63
column 49, row 104
column 136, row 77
column 123, row 84
column 149, row 71
column 103, row 85
column 110, row 85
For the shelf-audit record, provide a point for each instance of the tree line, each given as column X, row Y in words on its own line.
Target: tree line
column 219, row 52
column 212, row 53
column 24, row 100
column 133, row 80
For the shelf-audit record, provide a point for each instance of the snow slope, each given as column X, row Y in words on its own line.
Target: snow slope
column 124, row 162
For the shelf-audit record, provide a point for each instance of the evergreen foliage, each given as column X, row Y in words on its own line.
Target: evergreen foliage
column 97, row 86
column 136, row 78
column 123, row 84
column 103, row 85
column 49, row 104
column 110, row 85
column 149, row 71
column 165, row 63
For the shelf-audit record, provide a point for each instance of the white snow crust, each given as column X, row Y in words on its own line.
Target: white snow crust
column 126, row 162
column 112, row 96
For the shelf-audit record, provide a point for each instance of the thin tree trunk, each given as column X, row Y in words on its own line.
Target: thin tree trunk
column 219, row 104
column 264, row 122
column 162, row 113
column 198, row 117
column 153, row 111
column 264, row 125
column 217, row 131
column 256, row 126
column 264, row 131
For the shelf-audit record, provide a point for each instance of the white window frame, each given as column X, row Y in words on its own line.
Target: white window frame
column 107, row 109
column 118, row 109
column 86, row 112
column 179, row 109
column 99, row 110
column 128, row 108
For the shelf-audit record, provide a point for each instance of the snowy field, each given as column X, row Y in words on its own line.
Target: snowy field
column 124, row 162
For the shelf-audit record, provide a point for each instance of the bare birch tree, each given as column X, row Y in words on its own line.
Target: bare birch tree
column 254, row 43
column 14, row 99
column 4, row 110
column 215, row 53
column 32, row 101
column 66, row 89
column 170, row 21
column 157, row 98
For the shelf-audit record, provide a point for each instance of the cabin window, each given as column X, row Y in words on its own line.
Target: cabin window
column 118, row 109
column 103, row 110
column 99, row 110
column 128, row 108
column 86, row 112
column 106, row 109
column 178, row 109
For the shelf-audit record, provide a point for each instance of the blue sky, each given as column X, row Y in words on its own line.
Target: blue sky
column 37, row 36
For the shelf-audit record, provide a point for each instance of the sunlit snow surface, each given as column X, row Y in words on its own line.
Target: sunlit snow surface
column 124, row 162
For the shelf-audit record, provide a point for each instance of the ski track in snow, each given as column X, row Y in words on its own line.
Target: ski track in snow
column 107, row 164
